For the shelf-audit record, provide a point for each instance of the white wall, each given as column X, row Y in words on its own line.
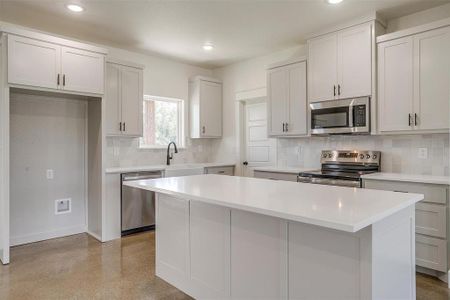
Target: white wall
column 419, row 18
column 47, row 132
column 239, row 77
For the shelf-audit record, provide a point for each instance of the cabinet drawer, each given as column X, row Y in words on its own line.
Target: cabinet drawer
column 433, row 193
column 220, row 170
column 276, row 176
column 431, row 253
column 431, row 219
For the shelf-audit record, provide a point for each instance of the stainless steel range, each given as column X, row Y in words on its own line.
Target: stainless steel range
column 343, row 168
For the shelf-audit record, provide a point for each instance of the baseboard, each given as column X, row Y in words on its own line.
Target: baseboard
column 42, row 236
column 94, row 235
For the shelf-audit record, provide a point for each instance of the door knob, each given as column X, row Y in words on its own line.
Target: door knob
column 245, row 163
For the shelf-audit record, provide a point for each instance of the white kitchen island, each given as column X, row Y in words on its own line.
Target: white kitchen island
column 224, row 237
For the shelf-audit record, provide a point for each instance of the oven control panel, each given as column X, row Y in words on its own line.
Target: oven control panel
column 350, row 156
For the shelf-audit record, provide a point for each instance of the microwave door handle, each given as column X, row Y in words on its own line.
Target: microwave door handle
column 350, row 116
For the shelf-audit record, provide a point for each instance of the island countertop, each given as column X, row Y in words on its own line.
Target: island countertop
column 340, row 208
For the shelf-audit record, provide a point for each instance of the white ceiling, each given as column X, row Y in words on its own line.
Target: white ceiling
column 178, row 29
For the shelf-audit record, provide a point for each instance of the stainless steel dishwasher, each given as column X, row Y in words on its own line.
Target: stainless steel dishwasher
column 138, row 206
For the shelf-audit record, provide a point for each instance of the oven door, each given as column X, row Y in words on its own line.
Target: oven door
column 340, row 116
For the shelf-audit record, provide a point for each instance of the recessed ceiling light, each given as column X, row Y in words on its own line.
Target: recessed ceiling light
column 74, row 7
column 208, row 46
column 334, row 1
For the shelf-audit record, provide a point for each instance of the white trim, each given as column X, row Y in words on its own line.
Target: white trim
column 413, row 30
column 205, row 78
column 42, row 236
column 41, row 36
column 372, row 17
column 287, row 62
column 251, row 94
column 125, row 63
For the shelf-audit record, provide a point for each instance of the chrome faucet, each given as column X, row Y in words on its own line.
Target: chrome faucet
column 170, row 155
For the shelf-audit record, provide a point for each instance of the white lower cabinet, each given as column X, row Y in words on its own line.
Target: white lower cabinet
column 431, row 220
column 258, row 256
column 275, row 176
column 210, row 253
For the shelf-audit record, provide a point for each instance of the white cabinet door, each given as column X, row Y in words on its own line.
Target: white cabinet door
column 131, row 101
column 431, row 219
column 112, row 100
column 210, row 109
column 395, row 84
column 431, row 253
column 355, row 62
column 82, row 71
column 33, row 63
column 258, row 256
column 277, row 81
column 322, row 65
column 297, row 111
column 431, row 79
column 210, row 250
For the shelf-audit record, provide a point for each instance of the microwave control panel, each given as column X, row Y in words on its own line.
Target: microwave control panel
column 359, row 115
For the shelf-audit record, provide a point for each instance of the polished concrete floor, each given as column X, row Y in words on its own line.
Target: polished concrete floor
column 79, row 267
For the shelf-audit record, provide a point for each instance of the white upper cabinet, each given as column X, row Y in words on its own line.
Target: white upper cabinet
column 82, row 71
column 46, row 62
column 355, row 62
column 322, row 65
column 33, row 63
column 395, row 84
column 340, row 64
column 287, row 107
column 205, row 107
column 413, row 81
column 124, row 99
column 432, row 79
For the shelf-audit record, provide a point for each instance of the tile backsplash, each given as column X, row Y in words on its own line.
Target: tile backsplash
column 125, row 152
column 400, row 154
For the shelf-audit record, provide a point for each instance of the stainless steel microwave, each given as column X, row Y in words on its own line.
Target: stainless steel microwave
column 345, row 116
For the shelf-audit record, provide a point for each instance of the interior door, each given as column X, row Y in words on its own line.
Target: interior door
column 33, row 63
column 82, row 71
column 131, row 101
column 355, row 62
column 260, row 150
column 112, row 99
column 322, row 67
column 277, row 82
column 432, row 79
column 297, row 108
column 395, row 84
column 211, row 108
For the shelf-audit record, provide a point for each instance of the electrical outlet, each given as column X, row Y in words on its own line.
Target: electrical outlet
column 50, row 174
column 423, row 153
column 63, row 206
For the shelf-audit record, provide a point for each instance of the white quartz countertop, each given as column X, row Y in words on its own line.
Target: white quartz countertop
column 288, row 170
column 341, row 208
column 408, row 178
column 165, row 167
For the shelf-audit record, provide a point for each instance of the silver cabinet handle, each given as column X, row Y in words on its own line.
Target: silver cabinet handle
column 57, row 80
column 120, row 126
column 64, row 79
column 203, row 129
column 124, row 127
column 287, row 128
column 409, row 119
column 284, row 128
column 415, row 119
column 339, row 89
column 334, row 90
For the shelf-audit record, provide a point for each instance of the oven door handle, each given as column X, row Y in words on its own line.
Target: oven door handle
column 303, row 179
column 337, row 182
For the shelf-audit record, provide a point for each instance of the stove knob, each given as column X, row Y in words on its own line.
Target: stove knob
column 368, row 156
column 324, row 155
column 374, row 156
column 361, row 156
column 330, row 156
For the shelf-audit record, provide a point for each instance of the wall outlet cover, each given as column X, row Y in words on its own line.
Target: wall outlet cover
column 50, row 174
column 63, row 206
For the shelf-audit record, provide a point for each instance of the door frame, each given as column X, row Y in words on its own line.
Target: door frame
column 242, row 98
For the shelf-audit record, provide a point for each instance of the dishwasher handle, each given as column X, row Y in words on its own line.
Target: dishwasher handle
column 137, row 176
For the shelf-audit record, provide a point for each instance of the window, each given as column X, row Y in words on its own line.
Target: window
column 163, row 122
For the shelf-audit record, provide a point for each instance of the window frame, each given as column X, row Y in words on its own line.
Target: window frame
column 181, row 122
